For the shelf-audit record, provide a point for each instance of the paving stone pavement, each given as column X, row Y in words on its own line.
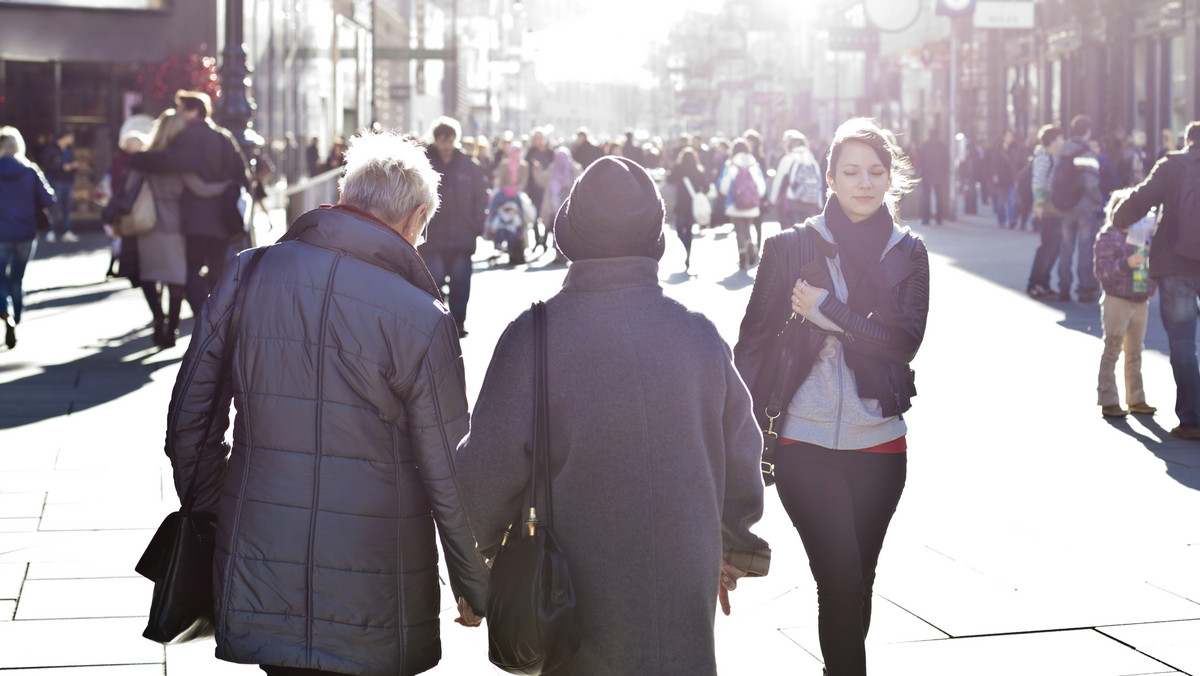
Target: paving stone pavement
column 1034, row 537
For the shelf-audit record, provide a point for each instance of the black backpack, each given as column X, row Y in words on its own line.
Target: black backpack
column 1066, row 183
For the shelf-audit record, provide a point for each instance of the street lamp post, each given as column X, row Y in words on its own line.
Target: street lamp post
column 235, row 108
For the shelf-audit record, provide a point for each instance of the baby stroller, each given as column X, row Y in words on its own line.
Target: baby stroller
column 508, row 226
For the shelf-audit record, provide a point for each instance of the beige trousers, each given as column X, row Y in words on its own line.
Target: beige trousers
column 1124, row 323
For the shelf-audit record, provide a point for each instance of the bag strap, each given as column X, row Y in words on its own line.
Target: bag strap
column 785, row 340
column 541, row 423
column 235, row 319
column 687, row 183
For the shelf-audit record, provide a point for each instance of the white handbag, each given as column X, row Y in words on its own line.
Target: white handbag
column 701, row 207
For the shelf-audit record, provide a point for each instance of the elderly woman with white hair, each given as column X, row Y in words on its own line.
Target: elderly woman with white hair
column 348, row 382
column 23, row 191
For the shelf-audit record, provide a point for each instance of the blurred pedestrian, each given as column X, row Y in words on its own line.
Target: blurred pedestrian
column 1003, row 177
column 797, row 189
column 339, row 513
column 23, row 192
column 162, row 252
column 1080, row 222
column 933, row 166
column 510, row 210
column 337, row 154
column 584, row 151
column 558, row 178
column 59, row 163
column 1121, row 269
column 538, row 157
column 455, row 229
column 740, row 180
column 687, row 167
column 692, row 488
column 1046, row 218
column 755, row 141
column 312, row 157
column 209, row 222
column 859, row 283
column 1172, row 187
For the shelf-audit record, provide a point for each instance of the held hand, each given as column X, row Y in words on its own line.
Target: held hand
column 805, row 297
column 1039, row 212
column 1135, row 261
column 729, row 578
column 466, row 616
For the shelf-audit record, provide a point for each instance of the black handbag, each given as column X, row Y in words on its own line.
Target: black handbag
column 532, row 627
column 179, row 558
column 776, row 383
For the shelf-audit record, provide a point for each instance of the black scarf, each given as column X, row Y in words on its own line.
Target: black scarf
column 860, row 246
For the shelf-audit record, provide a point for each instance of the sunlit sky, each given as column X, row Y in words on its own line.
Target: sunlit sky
column 610, row 41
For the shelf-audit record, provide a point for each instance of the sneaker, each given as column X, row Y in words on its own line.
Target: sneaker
column 69, row 236
column 51, row 238
column 10, row 333
column 1142, row 408
column 1190, row 433
column 1038, row 291
column 1113, row 411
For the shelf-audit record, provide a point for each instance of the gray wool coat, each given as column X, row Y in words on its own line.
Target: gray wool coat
column 654, row 457
column 350, row 393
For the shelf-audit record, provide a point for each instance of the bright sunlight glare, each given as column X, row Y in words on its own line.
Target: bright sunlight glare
column 610, row 41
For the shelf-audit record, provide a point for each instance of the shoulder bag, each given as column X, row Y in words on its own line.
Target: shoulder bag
column 179, row 559
column 701, row 207
column 775, row 383
column 142, row 216
column 532, row 628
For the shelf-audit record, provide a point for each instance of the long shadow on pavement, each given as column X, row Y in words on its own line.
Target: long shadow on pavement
column 120, row 367
column 1181, row 458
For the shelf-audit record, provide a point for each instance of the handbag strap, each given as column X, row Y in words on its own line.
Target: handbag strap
column 785, row 339
column 541, row 423
column 235, row 320
column 687, row 183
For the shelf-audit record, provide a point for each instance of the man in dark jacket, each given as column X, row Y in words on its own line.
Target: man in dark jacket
column 457, row 226
column 1171, row 181
column 350, row 395
column 209, row 223
column 1082, row 222
column 58, row 161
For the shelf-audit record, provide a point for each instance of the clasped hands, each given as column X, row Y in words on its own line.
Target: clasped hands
column 805, row 296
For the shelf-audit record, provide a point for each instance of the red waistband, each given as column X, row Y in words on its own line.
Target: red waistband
column 897, row 445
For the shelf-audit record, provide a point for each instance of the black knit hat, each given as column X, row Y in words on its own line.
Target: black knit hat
column 614, row 209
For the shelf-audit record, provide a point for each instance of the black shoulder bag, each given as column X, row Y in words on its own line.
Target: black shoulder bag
column 532, row 627
column 775, row 384
column 179, row 558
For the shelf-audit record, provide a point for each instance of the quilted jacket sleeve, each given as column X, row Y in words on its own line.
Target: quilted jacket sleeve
column 893, row 337
column 438, row 420
column 195, row 448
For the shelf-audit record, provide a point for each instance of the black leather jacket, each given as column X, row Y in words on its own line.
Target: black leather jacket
column 879, row 346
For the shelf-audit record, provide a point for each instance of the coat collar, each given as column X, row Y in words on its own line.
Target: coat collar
column 610, row 274
column 365, row 239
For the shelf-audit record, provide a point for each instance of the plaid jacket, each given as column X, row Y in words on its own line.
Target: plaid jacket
column 1112, row 269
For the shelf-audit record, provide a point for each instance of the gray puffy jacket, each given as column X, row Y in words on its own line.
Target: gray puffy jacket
column 350, row 396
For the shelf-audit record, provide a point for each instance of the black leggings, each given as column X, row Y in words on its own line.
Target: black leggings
column 841, row 502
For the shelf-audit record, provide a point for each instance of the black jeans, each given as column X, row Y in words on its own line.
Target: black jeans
column 1050, row 228
column 202, row 252
column 454, row 266
column 841, row 502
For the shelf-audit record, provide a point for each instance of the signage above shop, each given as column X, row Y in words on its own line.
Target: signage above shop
column 993, row 14
column 94, row 4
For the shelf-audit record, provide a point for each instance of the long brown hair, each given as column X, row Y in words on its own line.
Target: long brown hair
column 867, row 131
